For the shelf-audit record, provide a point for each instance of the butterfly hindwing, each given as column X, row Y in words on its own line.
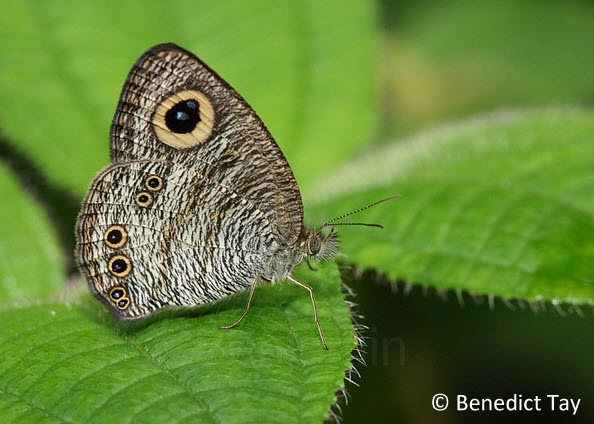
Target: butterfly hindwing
column 154, row 234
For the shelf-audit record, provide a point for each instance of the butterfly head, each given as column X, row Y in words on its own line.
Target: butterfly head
column 320, row 246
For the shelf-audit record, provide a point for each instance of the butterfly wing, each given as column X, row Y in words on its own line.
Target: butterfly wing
column 229, row 144
column 199, row 200
column 151, row 235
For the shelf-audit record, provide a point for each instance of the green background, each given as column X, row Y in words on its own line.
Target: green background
column 478, row 113
column 441, row 61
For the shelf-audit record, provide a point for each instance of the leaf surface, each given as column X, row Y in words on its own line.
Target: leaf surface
column 75, row 364
column 500, row 205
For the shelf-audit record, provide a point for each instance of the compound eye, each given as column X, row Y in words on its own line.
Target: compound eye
column 314, row 245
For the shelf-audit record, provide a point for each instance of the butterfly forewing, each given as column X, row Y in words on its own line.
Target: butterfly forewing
column 229, row 145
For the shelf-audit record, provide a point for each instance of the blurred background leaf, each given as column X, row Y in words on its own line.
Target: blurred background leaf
column 31, row 260
column 306, row 67
column 442, row 60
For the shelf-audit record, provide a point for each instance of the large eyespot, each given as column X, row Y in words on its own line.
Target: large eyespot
column 115, row 236
column 184, row 119
column 120, row 266
column 154, row 183
column 117, row 293
column 144, row 199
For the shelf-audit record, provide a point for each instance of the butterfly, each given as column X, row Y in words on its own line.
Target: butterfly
column 199, row 202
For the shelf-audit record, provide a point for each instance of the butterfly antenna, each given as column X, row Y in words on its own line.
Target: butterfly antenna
column 365, row 224
column 334, row 223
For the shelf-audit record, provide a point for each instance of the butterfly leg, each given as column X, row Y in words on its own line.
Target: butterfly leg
column 247, row 308
column 315, row 307
column 310, row 265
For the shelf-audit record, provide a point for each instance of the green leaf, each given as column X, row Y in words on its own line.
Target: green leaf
column 30, row 257
column 501, row 205
column 74, row 363
column 306, row 68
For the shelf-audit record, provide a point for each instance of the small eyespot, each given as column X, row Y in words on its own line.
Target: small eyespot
column 154, row 183
column 117, row 293
column 115, row 236
column 123, row 303
column 144, row 199
column 120, row 266
column 119, row 297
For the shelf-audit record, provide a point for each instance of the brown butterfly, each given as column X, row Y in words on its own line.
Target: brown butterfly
column 199, row 202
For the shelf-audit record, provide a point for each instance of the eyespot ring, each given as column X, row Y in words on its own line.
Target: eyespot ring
column 117, row 293
column 144, row 199
column 184, row 119
column 123, row 303
column 119, row 265
column 115, row 236
column 154, row 182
